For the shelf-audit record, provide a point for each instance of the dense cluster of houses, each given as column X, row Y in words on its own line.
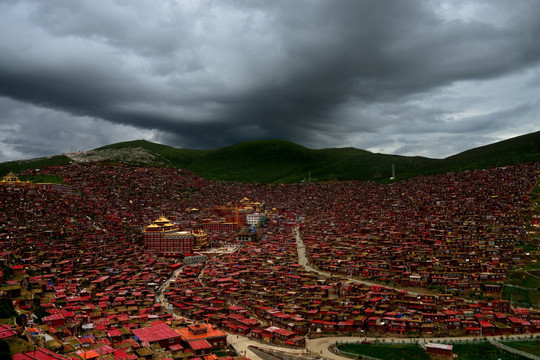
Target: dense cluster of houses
column 74, row 257
column 277, row 301
column 454, row 232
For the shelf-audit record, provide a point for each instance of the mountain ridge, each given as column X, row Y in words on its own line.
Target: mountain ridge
column 282, row 161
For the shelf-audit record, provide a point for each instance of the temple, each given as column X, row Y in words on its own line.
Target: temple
column 165, row 237
column 11, row 178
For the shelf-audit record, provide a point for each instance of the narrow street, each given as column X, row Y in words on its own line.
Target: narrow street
column 303, row 260
column 321, row 346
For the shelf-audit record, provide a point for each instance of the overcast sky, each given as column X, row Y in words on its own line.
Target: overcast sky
column 429, row 78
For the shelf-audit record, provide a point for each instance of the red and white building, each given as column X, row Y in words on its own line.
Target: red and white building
column 168, row 238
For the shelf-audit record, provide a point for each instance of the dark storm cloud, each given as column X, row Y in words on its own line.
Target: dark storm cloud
column 325, row 73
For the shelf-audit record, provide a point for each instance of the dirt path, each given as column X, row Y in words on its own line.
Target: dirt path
column 319, row 347
column 303, row 260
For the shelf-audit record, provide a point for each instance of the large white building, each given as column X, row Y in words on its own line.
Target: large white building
column 256, row 218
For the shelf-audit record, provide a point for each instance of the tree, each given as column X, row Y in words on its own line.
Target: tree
column 7, row 309
column 5, row 352
column 8, row 272
column 40, row 312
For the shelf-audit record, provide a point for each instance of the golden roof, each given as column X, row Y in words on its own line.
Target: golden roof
column 11, row 178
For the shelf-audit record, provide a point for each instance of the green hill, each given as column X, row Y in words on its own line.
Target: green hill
column 284, row 161
column 179, row 158
column 518, row 150
column 276, row 161
column 21, row 165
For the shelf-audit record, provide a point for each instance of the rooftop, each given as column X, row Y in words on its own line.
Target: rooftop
column 155, row 333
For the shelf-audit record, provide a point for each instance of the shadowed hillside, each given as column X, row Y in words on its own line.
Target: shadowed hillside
column 283, row 161
column 279, row 161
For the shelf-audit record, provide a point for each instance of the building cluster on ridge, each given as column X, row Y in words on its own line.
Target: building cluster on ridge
column 76, row 257
column 453, row 232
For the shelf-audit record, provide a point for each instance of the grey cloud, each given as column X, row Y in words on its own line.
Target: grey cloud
column 207, row 74
column 28, row 131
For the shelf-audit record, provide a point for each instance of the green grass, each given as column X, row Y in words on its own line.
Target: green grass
column 527, row 247
column 530, row 278
column 49, row 179
column 464, row 351
column 533, row 265
column 532, row 347
column 483, row 351
column 17, row 345
column 528, row 294
column 9, row 321
column 387, row 351
column 521, row 295
column 21, row 165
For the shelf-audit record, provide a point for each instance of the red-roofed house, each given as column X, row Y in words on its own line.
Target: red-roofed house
column 439, row 349
column 121, row 355
column 215, row 337
column 160, row 334
column 54, row 320
column 487, row 328
column 519, row 326
column 6, row 331
column 18, row 270
column 114, row 333
column 90, row 354
column 200, row 347
column 39, row 354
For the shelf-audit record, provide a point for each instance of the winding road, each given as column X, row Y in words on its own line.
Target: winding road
column 321, row 346
column 303, row 260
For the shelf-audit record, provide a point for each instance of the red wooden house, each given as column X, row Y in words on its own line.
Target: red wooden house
column 160, row 334
column 54, row 320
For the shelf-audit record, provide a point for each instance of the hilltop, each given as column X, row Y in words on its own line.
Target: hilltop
column 279, row 161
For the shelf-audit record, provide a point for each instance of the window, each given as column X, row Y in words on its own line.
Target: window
column 171, row 341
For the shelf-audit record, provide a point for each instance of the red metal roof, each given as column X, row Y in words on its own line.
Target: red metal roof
column 200, row 344
column 155, row 333
column 6, row 331
column 121, row 355
column 39, row 354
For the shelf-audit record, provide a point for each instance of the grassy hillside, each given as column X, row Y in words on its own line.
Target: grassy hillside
column 179, row 158
column 518, row 150
column 254, row 161
column 283, row 161
column 274, row 161
column 21, row 165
